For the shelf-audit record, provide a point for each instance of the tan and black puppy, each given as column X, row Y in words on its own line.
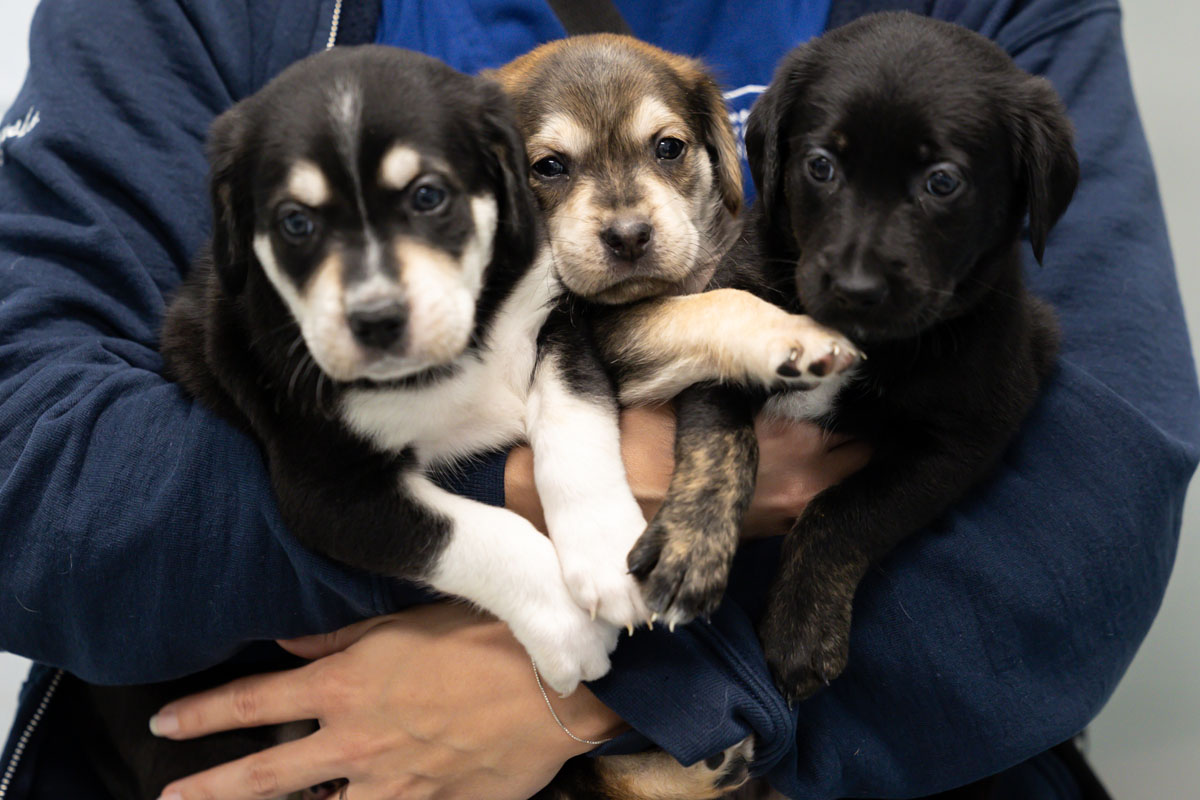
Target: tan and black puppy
column 633, row 163
column 634, row 166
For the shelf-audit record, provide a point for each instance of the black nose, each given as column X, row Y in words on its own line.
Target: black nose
column 859, row 289
column 379, row 324
column 628, row 239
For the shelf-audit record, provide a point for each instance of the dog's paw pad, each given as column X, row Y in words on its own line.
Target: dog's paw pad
column 791, row 368
column 811, row 354
column 838, row 357
column 731, row 767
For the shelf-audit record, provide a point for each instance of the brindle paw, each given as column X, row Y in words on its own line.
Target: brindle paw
column 806, row 649
column 681, row 576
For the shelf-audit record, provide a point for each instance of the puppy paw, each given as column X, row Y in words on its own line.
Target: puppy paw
column 731, row 767
column 656, row 774
column 802, row 354
column 682, row 568
column 592, row 545
column 603, row 587
column 574, row 652
column 806, row 648
column 567, row 645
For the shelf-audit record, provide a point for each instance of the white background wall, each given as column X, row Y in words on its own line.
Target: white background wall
column 1147, row 741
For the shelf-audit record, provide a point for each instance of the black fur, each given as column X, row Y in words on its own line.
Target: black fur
column 957, row 347
column 233, row 344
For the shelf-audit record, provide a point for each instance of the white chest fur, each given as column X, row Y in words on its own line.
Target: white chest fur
column 480, row 408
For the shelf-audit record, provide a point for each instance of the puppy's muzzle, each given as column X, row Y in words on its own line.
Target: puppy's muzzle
column 858, row 289
column 628, row 238
column 379, row 324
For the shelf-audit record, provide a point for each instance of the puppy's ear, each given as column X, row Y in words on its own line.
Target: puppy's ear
column 708, row 106
column 766, row 144
column 1044, row 157
column 517, row 220
column 232, row 205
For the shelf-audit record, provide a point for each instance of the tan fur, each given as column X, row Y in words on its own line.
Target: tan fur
column 718, row 334
column 560, row 133
column 600, row 104
column 399, row 166
column 306, row 184
column 657, row 776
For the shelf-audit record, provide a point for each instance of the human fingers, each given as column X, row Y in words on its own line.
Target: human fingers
column 244, row 703
column 322, row 644
column 289, row 767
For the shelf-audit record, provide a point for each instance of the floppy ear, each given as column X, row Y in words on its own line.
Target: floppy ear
column 1044, row 157
column 708, row 106
column 232, row 204
column 517, row 218
column 766, row 147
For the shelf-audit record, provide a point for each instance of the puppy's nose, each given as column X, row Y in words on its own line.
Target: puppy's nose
column 628, row 238
column 859, row 289
column 378, row 324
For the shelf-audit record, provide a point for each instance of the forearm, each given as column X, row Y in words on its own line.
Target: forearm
column 131, row 517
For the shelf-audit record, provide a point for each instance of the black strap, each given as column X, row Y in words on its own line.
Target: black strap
column 589, row 16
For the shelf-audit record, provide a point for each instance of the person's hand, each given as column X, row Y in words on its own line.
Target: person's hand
column 436, row 702
column 796, row 462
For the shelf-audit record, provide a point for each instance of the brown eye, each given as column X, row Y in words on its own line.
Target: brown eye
column 550, row 167
column 821, row 167
column 669, row 148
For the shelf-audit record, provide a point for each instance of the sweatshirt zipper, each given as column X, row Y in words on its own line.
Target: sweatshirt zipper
column 333, row 32
column 27, row 734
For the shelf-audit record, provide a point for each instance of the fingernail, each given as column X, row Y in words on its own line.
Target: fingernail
column 164, row 723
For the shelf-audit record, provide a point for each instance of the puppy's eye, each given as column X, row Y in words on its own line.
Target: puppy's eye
column 942, row 183
column 669, row 148
column 295, row 223
column 550, row 167
column 426, row 198
column 821, row 167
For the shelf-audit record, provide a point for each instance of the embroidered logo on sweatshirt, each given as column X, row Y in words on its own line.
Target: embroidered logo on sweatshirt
column 21, row 127
column 745, row 97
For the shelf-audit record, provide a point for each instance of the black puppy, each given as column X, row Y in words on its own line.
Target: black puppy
column 895, row 159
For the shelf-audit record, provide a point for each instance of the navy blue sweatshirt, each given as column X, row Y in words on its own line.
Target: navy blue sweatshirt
column 139, row 538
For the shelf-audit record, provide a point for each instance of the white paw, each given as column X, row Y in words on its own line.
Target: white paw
column 592, row 549
column 567, row 645
column 798, row 351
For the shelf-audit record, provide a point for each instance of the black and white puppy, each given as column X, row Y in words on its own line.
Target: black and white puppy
column 369, row 311
column 896, row 159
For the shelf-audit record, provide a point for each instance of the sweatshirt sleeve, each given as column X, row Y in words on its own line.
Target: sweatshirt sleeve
column 139, row 537
column 1003, row 629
